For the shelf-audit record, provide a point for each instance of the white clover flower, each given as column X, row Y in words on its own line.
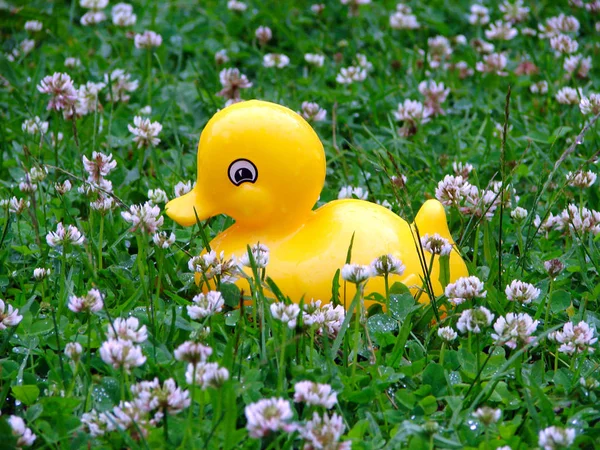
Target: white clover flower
column 541, row 87
column 577, row 65
column 356, row 273
column 128, row 330
column 268, row 415
column 72, row 62
column 576, row 338
column 487, row 415
column 474, row 320
column 119, row 84
column 447, row 334
column 277, row 60
column 33, row 26
column 349, row 75
column 40, row 273
column 145, row 218
column 27, row 185
column 182, row 188
column 192, row 352
column 558, row 24
column 235, row 5
column 263, row 34
column 514, row 12
column 412, row 111
column 563, row 43
column 92, row 18
column 93, row 4
column 34, row 126
column 148, row 39
column 315, row 394
column 567, row 96
column 122, row 15
column 403, row 19
column 324, row 433
column 317, row 8
column 314, row 59
column 554, row 267
column 221, row 57
column 24, row 435
column 206, row 305
column 163, row 240
column 440, row 51
column 98, row 424
column 581, row 179
column 9, row 317
column 157, row 196
column 435, row 94
column 60, row 87
column 260, row 254
column 150, row 397
column 553, row 438
column 353, row 192
column 232, row 81
column 501, row 31
column 285, row 313
column 514, row 330
column 91, row 302
column 18, row 205
column 521, row 292
column 103, row 204
column 99, row 166
column 479, row 15
column 64, row 236
column 482, row 47
column 206, row 375
column 128, row 416
column 122, row 354
column 436, row 244
column 63, row 188
column 325, row 318
column 73, row 351
column 590, row 105
column 387, row 265
column 145, row 131
column 210, row 265
column 493, row 63
column 581, row 220
column 519, row 214
column 313, row 112
column 465, row 288
column 452, row 190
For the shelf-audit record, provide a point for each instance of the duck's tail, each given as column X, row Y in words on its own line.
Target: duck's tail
column 431, row 219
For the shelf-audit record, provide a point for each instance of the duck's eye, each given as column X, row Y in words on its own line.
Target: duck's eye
column 242, row 171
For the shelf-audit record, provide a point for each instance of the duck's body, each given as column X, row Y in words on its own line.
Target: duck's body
column 263, row 165
column 303, row 261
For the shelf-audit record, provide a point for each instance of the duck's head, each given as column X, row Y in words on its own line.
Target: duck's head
column 259, row 163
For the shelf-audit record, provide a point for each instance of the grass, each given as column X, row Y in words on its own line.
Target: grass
column 398, row 383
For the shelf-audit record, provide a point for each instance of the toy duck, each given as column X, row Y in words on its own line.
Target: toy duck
column 263, row 165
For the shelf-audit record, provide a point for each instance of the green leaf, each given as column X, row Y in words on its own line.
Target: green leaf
column 433, row 375
column 560, row 300
column 231, row 294
column 26, row 394
column 401, row 305
column 381, row 324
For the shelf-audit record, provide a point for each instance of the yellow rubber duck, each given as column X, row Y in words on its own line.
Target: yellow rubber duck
column 263, row 165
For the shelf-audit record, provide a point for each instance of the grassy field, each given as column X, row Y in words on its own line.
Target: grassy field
column 107, row 342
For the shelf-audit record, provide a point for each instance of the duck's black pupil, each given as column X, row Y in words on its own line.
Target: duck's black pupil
column 244, row 174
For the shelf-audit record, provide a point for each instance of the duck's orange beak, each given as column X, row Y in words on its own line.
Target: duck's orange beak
column 188, row 208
